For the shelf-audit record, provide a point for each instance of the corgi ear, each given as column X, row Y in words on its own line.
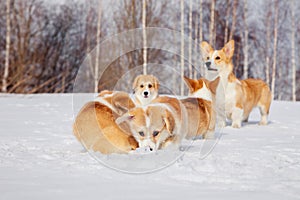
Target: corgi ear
column 206, row 49
column 135, row 82
column 192, row 84
column 122, row 102
column 169, row 121
column 229, row 49
column 213, row 85
column 156, row 82
column 123, row 118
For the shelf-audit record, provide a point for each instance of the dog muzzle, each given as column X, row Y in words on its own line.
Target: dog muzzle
column 208, row 66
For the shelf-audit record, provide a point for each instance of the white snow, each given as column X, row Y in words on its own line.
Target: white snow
column 41, row 159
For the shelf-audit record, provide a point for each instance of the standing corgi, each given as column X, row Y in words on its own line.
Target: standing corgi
column 145, row 88
column 200, row 107
column 241, row 96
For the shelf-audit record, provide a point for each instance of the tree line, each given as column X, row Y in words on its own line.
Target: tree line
column 43, row 44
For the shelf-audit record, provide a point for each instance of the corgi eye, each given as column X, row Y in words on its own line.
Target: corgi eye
column 218, row 58
column 155, row 133
column 207, row 58
column 150, row 86
column 142, row 133
column 142, row 86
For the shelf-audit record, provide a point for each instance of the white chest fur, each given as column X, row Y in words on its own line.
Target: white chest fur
column 230, row 97
column 203, row 93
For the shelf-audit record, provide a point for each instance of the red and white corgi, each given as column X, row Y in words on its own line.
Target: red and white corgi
column 145, row 89
column 241, row 96
column 200, row 107
column 95, row 125
column 157, row 125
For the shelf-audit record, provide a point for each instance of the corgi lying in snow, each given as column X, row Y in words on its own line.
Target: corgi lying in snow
column 145, row 88
column 241, row 96
column 200, row 107
column 157, row 125
column 95, row 125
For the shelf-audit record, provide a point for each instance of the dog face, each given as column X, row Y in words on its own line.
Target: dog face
column 145, row 88
column 202, row 88
column 150, row 126
column 218, row 60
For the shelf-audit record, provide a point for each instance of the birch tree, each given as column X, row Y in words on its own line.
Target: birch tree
column 233, row 25
column 144, row 37
column 182, row 45
column 200, row 21
column 96, row 68
column 212, row 22
column 245, row 47
column 227, row 22
column 293, row 57
column 196, row 41
column 190, row 37
column 8, row 30
column 275, row 47
column 268, row 41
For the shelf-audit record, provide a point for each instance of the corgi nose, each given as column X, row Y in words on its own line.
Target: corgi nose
column 150, row 149
column 146, row 93
column 208, row 64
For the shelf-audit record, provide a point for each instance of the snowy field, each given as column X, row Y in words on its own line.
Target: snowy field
column 41, row 159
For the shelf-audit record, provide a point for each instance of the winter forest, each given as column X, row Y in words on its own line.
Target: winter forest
column 43, row 43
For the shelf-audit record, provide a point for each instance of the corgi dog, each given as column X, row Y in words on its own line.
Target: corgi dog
column 200, row 107
column 158, row 125
column 145, row 89
column 241, row 96
column 95, row 125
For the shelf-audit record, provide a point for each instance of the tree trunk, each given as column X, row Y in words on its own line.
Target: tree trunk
column 212, row 23
column 293, row 27
column 196, row 42
column 182, row 46
column 96, row 70
column 268, row 27
column 235, row 4
column 190, row 38
column 227, row 22
column 144, row 38
column 200, row 21
column 7, row 50
column 246, row 48
column 275, row 48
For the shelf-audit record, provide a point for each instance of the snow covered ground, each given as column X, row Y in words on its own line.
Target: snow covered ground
column 41, row 159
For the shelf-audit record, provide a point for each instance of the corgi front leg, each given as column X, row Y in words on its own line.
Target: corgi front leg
column 237, row 116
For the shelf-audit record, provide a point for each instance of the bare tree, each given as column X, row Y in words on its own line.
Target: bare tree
column 190, row 37
column 276, row 7
column 212, row 23
column 8, row 32
column 234, row 15
column 227, row 22
column 246, row 33
column 196, row 41
column 293, row 57
column 96, row 67
column 268, row 44
column 182, row 46
column 144, row 37
column 200, row 20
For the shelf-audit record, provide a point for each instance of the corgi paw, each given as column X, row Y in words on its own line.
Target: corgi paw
column 221, row 124
column 236, row 125
column 263, row 123
column 210, row 135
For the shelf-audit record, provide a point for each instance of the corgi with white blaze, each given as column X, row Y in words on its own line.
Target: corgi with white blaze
column 145, row 88
column 241, row 96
